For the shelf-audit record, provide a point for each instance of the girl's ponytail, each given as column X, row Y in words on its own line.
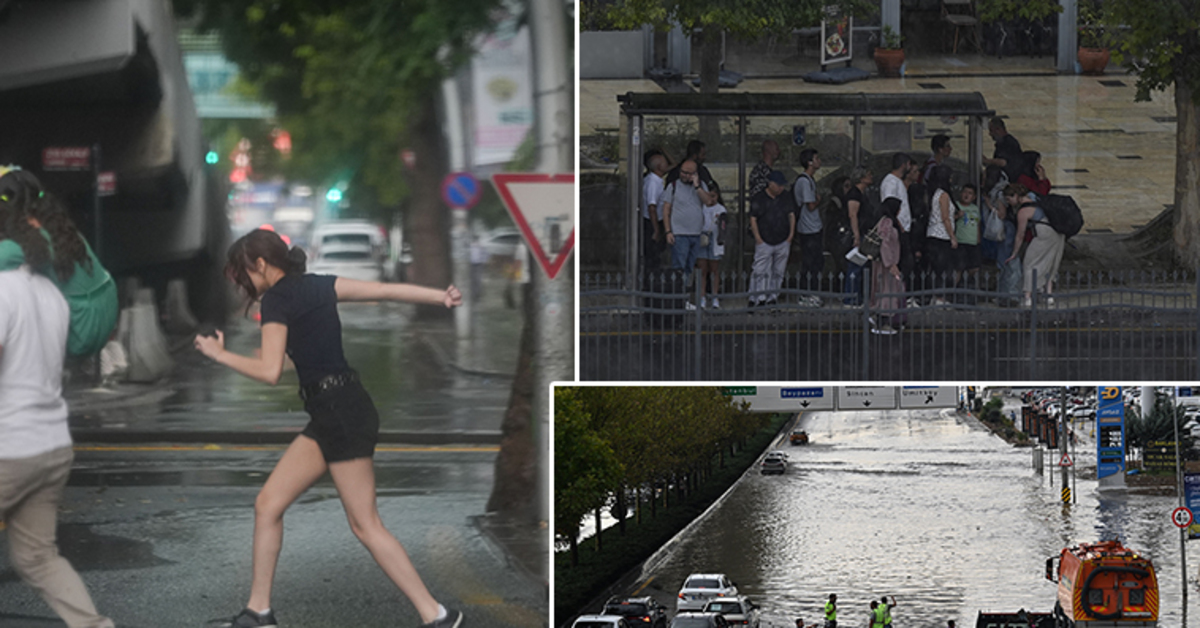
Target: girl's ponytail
column 296, row 261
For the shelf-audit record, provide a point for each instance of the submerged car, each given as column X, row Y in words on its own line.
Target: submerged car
column 699, row 588
column 738, row 611
column 638, row 611
column 774, row 462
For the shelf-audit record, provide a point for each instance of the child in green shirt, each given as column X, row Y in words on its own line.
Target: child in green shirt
column 966, row 229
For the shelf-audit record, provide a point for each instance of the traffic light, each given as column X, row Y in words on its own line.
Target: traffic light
column 211, row 158
column 334, row 195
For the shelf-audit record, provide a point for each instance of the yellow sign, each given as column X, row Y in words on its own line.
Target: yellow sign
column 1110, row 392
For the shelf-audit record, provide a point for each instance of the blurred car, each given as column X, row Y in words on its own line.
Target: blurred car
column 699, row 588
column 738, row 611
column 600, row 621
column 353, row 261
column 501, row 242
column 638, row 611
column 699, row 620
column 355, row 249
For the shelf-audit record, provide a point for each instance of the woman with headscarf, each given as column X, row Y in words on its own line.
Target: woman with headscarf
column 887, row 286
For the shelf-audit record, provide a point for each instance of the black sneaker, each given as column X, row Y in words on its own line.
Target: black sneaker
column 453, row 619
column 250, row 619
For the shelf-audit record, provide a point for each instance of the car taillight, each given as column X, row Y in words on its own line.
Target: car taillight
column 645, row 619
column 681, row 597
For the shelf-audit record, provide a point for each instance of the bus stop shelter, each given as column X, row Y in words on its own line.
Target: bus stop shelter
column 848, row 129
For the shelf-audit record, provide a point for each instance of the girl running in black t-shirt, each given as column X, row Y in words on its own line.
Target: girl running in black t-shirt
column 299, row 318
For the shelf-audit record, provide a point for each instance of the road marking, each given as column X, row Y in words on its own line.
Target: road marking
column 639, row 589
column 211, row 447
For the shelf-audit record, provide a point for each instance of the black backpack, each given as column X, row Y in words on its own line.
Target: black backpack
column 1062, row 213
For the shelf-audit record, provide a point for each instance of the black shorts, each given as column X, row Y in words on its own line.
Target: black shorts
column 969, row 256
column 344, row 422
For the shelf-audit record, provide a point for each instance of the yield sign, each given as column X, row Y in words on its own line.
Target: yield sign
column 1066, row 461
column 543, row 206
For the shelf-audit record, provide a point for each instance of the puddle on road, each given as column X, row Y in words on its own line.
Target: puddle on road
column 88, row 551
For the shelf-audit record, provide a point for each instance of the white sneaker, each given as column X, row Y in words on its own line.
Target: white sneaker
column 716, row 303
column 912, row 303
column 704, row 302
column 689, row 305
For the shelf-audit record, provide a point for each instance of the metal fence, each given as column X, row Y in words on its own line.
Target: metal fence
column 1095, row 325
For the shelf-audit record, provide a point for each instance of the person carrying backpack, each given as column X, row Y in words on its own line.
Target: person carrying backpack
column 90, row 291
column 1045, row 250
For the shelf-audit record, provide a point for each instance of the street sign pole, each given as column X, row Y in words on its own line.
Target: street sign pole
column 1179, row 493
column 553, row 299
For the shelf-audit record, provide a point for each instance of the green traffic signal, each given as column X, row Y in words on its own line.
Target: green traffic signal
column 211, row 157
column 334, row 195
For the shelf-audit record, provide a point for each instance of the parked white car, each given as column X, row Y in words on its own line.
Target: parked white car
column 699, row 588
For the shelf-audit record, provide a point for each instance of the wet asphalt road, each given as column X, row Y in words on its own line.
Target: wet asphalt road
column 162, row 537
column 159, row 511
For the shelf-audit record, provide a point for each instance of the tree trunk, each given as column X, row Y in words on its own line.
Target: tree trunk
column 575, row 549
column 620, row 509
column 598, row 529
column 429, row 219
column 710, row 70
column 1187, row 176
column 515, row 486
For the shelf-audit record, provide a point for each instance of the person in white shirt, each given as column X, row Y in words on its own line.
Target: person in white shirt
column 893, row 187
column 35, row 451
column 652, row 230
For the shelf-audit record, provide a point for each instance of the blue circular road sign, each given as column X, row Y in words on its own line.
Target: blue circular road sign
column 461, row 190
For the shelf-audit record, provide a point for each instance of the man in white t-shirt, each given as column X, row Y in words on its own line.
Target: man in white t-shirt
column 35, row 451
column 893, row 187
column 653, row 239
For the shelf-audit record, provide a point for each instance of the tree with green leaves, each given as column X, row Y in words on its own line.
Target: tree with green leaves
column 586, row 469
column 354, row 83
column 1159, row 41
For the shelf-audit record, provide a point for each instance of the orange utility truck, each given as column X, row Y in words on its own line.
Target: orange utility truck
column 1104, row 585
column 1100, row 585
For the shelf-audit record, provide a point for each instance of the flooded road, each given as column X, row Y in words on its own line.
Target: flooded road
column 927, row 506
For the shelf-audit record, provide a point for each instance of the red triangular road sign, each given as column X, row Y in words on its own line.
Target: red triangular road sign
column 543, row 206
column 1066, row 461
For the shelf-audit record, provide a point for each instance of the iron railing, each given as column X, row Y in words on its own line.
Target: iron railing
column 1095, row 326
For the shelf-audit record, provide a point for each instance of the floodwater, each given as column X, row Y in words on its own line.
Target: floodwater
column 927, row 506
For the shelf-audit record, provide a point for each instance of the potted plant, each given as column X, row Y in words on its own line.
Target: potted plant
column 889, row 56
column 1093, row 41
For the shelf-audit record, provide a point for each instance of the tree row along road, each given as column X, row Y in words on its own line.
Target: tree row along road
column 928, row 506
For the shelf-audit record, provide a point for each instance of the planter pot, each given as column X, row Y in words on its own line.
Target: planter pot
column 889, row 61
column 1093, row 60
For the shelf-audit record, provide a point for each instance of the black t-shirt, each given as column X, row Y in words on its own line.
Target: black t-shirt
column 864, row 224
column 307, row 304
column 772, row 215
column 1009, row 149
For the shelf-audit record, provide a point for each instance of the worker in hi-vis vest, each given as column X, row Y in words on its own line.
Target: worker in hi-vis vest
column 831, row 611
column 877, row 611
column 886, row 607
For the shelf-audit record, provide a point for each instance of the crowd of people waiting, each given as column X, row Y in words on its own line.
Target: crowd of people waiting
column 917, row 231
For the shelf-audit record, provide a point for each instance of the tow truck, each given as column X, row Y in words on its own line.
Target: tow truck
column 1100, row 585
